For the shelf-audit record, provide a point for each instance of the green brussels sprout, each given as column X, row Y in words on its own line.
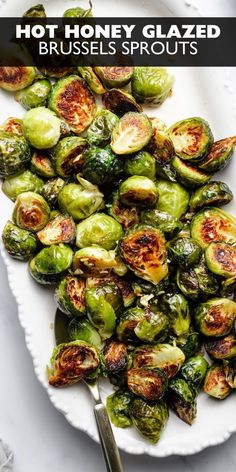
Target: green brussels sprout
column 176, row 307
column 114, row 77
column 23, row 182
column 36, row 11
column 70, row 297
column 99, row 229
column 12, row 126
column 188, row 175
column 197, row 282
column 14, row 154
column 34, row 95
column 228, row 287
column 51, row 189
column 60, row 229
column 115, row 357
column 230, row 372
column 73, row 102
column 151, row 85
column 148, row 383
column 123, row 283
column 88, row 74
column 213, row 193
column 120, row 102
column 93, row 261
column 164, row 356
column 183, row 400
column 190, row 343
column 42, row 165
column 194, row 371
column 41, row 127
column 69, row 155
column 221, row 259
column 219, row 156
column 160, row 145
column 192, row 138
column 50, row 264
column 138, row 190
column 19, row 243
column 165, row 222
column 117, row 405
column 102, row 166
column 132, row 133
column 13, row 79
column 99, row 132
column 83, row 330
column 149, row 420
column 78, row 12
column 80, row 200
column 119, row 379
column 71, row 362
column 223, row 348
column 126, row 216
column 143, row 249
column 137, row 325
column 173, row 198
column 185, row 252
column 56, row 72
column 216, row 385
column 215, row 317
column 31, row 211
column 213, row 225
column 141, row 163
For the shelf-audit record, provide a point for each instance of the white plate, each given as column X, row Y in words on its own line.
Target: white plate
column 197, row 92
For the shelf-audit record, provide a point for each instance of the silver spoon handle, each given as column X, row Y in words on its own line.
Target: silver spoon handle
column 109, row 446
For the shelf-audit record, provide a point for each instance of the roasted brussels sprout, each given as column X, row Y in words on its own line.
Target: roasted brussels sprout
column 151, row 85
column 23, row 182
column 69, row 155
column 161, row 146
column 147, row 383
column 137, row 325
column 230, row 372
column 118, row 408
column 19, row 243
column 216, row 385
column 223, row 348
column 71, row 362
column 149, row 420
column 42, row 128
column 123, row 283
column 219, row 155
column 34, row 95
column 16, row 78
column 80, row 200
column 228, row 287
column 141, row 163
column 213, row 225
column 83, row 330
column 36, row 11
column 99, row 229
column 120, row 102
column 185, row 252
column 70, row 296
column 102, row 166
column 176, row 307
column 78, row 12
column 99, row 132
column 14, row 154
column 50, row 264
column 56, row 72
column 192, row 138
column 221, row 259
column 173, row 198
column 126, row 216
column 116, row 77
column 183, row 400
column 115, row 356
column 164, row 356
column 31, row 211
column 60, row 229
column 93, row 261
column 92, row 79
column 138, row 190
column 215, row 317
column 214, row 193
column 51, row 189
column 188, row 175
column 73, row 102
column 194, row 371
column 12, row 126
column 131, row 134
column 197, row 282
column 190, row 343
column 42, row 165
column 165, row 222
column 144, row 251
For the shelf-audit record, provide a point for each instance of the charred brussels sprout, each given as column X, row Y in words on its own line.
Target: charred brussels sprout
column 50, row 264
column 190, row 343
column 213, row 225
column 147, row 383
column 31, row 211
column 99, row 132
column 165, row 222
column 69, row 155
column 12, row 126
column 221, row 259
column 230, row 372
column 51, row 189
column 161, row 145
column 102, row 166
column 78, row 12
column 93, row 261
column 23, row 182
column 19, row 243
column 123, row 283
column 16, row 78
column 60, row 229
column 194, row 371
column 35, row 95
column 80, row 200
column 42, row 165
column 131, row 134
column 99, row 229
column 164, row 356
column 173, row 198
column 177, row 309
column 92, row 79
column 115, row 357
column 73, row 102
column 216, row 385
column 36, row 11
column 223, row 348
column 83, row 330
column 71, row 362
column 192, row 138
column 14, row 154
column 144, row 251
column 215, row 317
column 42, row 128
column 137, row 324
column 70, row 296
column 151, row 85
column 219, row 155
column 126, row 216
column 114, row 77
column 185, row 252
column 188, row 175
column 118, row 408
column 183, row 400
column 149, row 420
column 120, row 102
column 138, row 190
column 197, row 282
column 56, row 72
column 214, row 193
column 141, row 163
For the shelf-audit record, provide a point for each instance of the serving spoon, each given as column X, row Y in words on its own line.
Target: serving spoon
column 107, row 440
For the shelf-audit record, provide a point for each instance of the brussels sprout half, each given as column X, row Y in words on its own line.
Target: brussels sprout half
column 93, row 261
column 56, row 72
column 213, row 225
column 117, row 405
column 126, row 216
column 12, row 126
column 69, row 155
column 31, row 211
column 194, row 371
column 123, row 283
column 190, row 343
column 215, row 384
column 144, row 251
column 19, row 243
column 151, row 85
column 51, row 189
column 70, row 296
column 60, row 229
column 92, row 79
column 221, row 259
column 165, row 222
column 42, row 165
column 114, row 76
column 173, row 198
column 192, row 138
column 102, row 166
column 230, row 372
column 50, row 264
column 188, row 175
column 115, row 357
column 99, row 229
column 149, row 420
column 34, row 95
column 185, row 252
column 148, row 383
column 36, row 11
column 82, row 329
column 160, row 144
column 73, row 102
column 176, row 307
column 23, row 182
column 141, row 163
column 14, row 154
column 183, row 400
column 131, row 134
column 223, row 348
column 78, row 12
column 213, row 193
column 42, row 128
column 215, row 317
column 16, row 78
column 164, row 356
column 99, row 132
column 138, row 190
column 120, row 102
column 197, row 282
column 219, row 155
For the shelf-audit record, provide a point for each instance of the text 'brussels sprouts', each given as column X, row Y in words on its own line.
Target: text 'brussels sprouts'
column 42, row 128
column 19, row 243
column 138, row 190
column 151, row 85
column 70, row 296
column 215, row 317
column 149, row 420
column 192, row 138
column 131, row 134
column 213, row 225
column 120, row 102
column 50, row 264
column 99, row 229
column 31, row 211
column 215, row 384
